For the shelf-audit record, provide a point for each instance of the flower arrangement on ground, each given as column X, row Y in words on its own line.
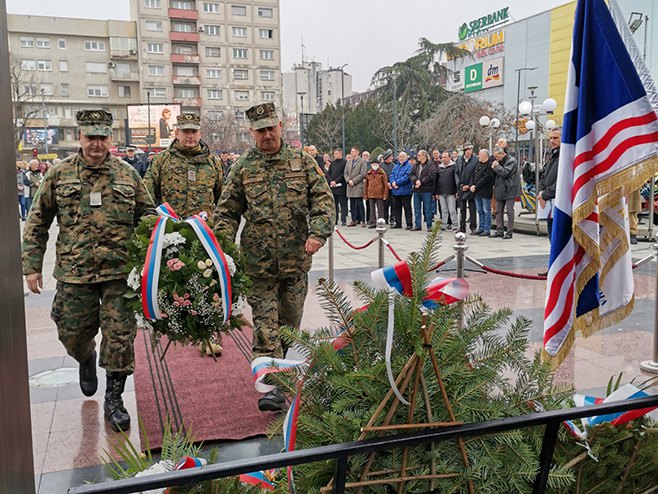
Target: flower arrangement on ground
column 180, row 288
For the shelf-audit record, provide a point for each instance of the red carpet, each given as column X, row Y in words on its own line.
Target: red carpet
column 217, row 400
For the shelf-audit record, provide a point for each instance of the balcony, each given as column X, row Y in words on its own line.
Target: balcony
column 189, row 37
column 186, row 80
column 123, row 76
column 183, row 14
column 182, row 58
column 195, row 102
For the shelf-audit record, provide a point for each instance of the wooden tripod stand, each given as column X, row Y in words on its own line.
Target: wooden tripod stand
column 411, row 373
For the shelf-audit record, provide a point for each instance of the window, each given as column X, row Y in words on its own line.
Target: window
column 122, row 68
column 239, row 10
column 158, row 92
column 69, row 134
column 266, row 33
column 46, row 89
column 214, row 94
column 213, row 51
column 267, row 95
column 265, row 12
column 239, row 32
column 43, row 42
column 152, row 4
column 153, row 25
column 154, row 48
column 97, row 91
column 61, row 43
column 182, row 4
column 215, row 114
column 266, row 75
column 239, row 53
column 94, row 45
column 29, row 64
column 211, row 7
column 128, row 45
column 26, row 42
column 240, row 74
column 184, row 71
column 156, row 70
column 212, row 30
column 183, row 27
column 185, row 92
column 44, row 65
column 213, row 73
column 96, row 68
column 124, row 91
column 242, row 96
column 240, row 115
column 184, row 49
column 267, row 54
column 30, row 90
column 68, row 113
column 64, row 90
column 63, row 66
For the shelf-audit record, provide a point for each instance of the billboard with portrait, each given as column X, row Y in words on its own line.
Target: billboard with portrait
column 163, row 118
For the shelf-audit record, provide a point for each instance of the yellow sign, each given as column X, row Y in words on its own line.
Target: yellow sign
column 49, row 156
column 486, row 45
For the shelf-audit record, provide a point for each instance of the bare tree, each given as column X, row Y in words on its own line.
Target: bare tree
column 222, row 133
column 325, row 129
column 457, row 120
column 24, row 91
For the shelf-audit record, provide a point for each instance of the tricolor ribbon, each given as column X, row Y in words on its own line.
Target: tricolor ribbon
column 261, row 479
column 151, row 272
column 626, row 392
column 290, row 432
column 397, row 278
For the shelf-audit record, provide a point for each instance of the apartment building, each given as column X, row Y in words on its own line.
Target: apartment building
column 59, row 66
column 308, row 88
column 213, row 57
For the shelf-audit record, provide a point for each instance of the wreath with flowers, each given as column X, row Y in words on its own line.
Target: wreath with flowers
column 179, row 287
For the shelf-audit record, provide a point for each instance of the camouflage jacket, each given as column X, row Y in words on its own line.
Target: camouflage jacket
column 97, row 208
column 284, row 200
column 190, row 181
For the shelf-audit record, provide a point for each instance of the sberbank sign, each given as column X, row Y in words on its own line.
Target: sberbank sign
column 477, row 26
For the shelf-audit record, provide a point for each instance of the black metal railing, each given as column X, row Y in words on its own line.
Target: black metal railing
column 341, row 452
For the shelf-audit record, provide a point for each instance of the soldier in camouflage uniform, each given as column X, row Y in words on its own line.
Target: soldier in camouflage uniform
column 186, row 174
column 189, row 177
column 97, row 199
column 288, row 209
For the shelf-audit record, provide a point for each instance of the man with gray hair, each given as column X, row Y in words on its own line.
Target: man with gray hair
column 507, row 185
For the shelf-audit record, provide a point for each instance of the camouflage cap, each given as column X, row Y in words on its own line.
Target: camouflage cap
column 94, row 122
column 188, row 121
column 263, row 115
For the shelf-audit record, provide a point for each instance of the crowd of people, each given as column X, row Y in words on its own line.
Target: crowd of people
column 467, row 191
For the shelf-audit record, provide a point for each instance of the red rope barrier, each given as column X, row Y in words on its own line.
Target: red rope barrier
column 513, row 275
column 395, row 254
column 355, row 247
column 441, row 263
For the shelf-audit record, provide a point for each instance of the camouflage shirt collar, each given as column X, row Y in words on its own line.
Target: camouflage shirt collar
column 202, row 150
column 80, row 160
column 280, row 155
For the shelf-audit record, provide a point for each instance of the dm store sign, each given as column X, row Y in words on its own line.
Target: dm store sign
column 483, row 75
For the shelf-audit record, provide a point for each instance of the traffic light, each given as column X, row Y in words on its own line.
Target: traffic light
column 35, row 152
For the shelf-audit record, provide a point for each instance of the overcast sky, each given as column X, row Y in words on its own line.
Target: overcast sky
column 365, row 35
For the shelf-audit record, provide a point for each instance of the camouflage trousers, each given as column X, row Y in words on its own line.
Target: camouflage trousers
column 80, row 309
column 276, row 302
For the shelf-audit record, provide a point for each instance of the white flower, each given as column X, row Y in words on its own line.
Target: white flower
column 208, row 263
column 135, row 279
column 231, row 265
column 201, row 265
column 207, row 273
column 173, row 239
column 141, row 322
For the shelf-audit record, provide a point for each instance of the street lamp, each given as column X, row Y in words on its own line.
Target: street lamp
column 489, row 123
column 45, row 119
column 301, row 119
column 342, row 102
column 148, row 118
column 394, row 77
column 518, row 97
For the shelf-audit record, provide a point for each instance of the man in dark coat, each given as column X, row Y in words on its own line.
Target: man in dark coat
column 507, row 186
column 548, row 180
column 336, row 179
column 464, row 169
column 387, row 165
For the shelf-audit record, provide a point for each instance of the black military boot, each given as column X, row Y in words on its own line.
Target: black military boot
column 115, row 412
column 88, row 378
column 274, row 401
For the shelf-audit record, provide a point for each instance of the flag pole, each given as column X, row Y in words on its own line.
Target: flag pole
column 651, row 366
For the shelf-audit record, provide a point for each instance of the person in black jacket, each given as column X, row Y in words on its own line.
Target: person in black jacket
column 336, row 179
column 482, row 187
column 422, row 176
column 134, row 161
column 548, row 180
column 464, row 170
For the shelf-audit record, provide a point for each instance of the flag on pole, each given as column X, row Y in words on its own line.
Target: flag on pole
column 609, row 149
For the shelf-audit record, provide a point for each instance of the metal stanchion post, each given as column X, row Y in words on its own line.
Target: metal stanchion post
column 381, row 230
column 651, row 366
column 331, row 255
column 460, row 250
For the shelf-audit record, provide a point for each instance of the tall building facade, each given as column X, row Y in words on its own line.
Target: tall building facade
column 309, row 88
column 59, row 66
column 214, row 57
